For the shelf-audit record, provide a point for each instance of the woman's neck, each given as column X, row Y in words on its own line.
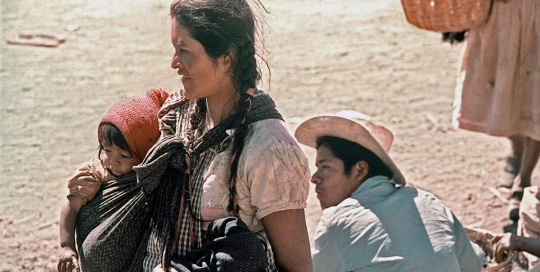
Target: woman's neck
column 221, row 107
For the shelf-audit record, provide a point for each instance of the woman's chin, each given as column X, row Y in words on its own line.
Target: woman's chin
column 190, row 93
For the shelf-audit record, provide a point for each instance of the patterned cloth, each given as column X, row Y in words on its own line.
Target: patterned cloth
column 271, row 162
column 111, row 228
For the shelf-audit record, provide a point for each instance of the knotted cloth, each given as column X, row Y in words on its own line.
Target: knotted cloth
column 231, row 247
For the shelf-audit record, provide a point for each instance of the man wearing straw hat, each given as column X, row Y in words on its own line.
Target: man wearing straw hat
column 370, row 220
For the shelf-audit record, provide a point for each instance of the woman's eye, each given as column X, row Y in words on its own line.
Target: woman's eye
column 180, row 51
column 126, row 156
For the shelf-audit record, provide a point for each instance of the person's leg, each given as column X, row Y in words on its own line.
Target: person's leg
column 518, row 142
column 513, row 161
column 531, row 153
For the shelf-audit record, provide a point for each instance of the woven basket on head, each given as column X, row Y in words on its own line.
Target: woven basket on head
column 446, row 15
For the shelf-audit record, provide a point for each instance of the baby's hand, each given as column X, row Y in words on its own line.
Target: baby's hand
column 83, row 183
column 82, row 176
column 68, row 260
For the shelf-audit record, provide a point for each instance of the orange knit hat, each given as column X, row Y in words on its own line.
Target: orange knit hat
column 137, row 118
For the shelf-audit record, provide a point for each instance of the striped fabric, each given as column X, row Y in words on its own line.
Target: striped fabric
column 184, row 243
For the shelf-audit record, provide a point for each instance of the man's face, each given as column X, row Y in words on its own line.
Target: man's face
column 332, row 185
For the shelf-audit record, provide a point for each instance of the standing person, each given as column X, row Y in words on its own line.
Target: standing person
column 370, row 220
column 244, row 160
column 498, row 92
column 125, row 134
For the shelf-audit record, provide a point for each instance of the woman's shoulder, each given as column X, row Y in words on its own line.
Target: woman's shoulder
column 271, row 132
column 271, row 142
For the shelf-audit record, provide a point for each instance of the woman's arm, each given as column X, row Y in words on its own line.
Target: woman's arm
column 287, row 233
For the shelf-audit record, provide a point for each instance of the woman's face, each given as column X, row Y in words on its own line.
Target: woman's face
column 202, row 76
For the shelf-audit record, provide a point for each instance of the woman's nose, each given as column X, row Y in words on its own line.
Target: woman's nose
column 175, row 62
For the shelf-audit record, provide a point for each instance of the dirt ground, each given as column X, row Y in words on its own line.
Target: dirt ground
column 325, row 56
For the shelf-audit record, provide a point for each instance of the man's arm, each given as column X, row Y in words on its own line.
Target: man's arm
column 508, row 241
column 469, row 255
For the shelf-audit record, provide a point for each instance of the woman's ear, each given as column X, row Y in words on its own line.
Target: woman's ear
column 225, row 61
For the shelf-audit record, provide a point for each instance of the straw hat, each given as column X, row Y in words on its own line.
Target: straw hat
column 355, row 127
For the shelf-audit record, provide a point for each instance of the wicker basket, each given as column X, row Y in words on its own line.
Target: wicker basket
column 446, row 15
column 483, row 238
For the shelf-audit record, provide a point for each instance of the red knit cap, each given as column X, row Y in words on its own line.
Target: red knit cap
column 137, row 118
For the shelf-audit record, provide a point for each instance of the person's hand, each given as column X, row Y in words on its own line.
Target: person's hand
column 68, row 260
column 502, row 244
column 83, row 183
column 159, row 268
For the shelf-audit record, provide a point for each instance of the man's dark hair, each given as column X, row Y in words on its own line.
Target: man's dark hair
column 351, row 153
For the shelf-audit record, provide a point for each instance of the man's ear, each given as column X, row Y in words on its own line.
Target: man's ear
column 360, row 171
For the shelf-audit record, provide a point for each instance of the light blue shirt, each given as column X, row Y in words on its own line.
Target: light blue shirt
column 382, row 227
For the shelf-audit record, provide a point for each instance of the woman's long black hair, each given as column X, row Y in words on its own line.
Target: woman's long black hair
column 225, row 27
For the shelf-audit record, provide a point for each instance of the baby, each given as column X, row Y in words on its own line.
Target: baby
column 126, row 132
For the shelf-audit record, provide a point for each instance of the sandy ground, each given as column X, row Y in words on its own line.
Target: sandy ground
column 324, row 55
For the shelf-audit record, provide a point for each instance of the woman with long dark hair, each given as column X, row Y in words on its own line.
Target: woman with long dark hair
column 243, row 159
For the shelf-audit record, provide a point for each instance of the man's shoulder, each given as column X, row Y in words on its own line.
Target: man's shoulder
column 349, row 209
column 426, row 198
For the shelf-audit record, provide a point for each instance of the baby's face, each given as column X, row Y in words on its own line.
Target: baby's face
column 116, row 160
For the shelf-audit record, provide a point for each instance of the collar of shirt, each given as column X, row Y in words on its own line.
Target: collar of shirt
column 372, row 190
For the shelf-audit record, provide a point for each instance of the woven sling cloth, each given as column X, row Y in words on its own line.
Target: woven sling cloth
column 111, row 225
column 113, row 228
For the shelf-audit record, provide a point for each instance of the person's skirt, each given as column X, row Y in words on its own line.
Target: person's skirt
column 498, row 91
